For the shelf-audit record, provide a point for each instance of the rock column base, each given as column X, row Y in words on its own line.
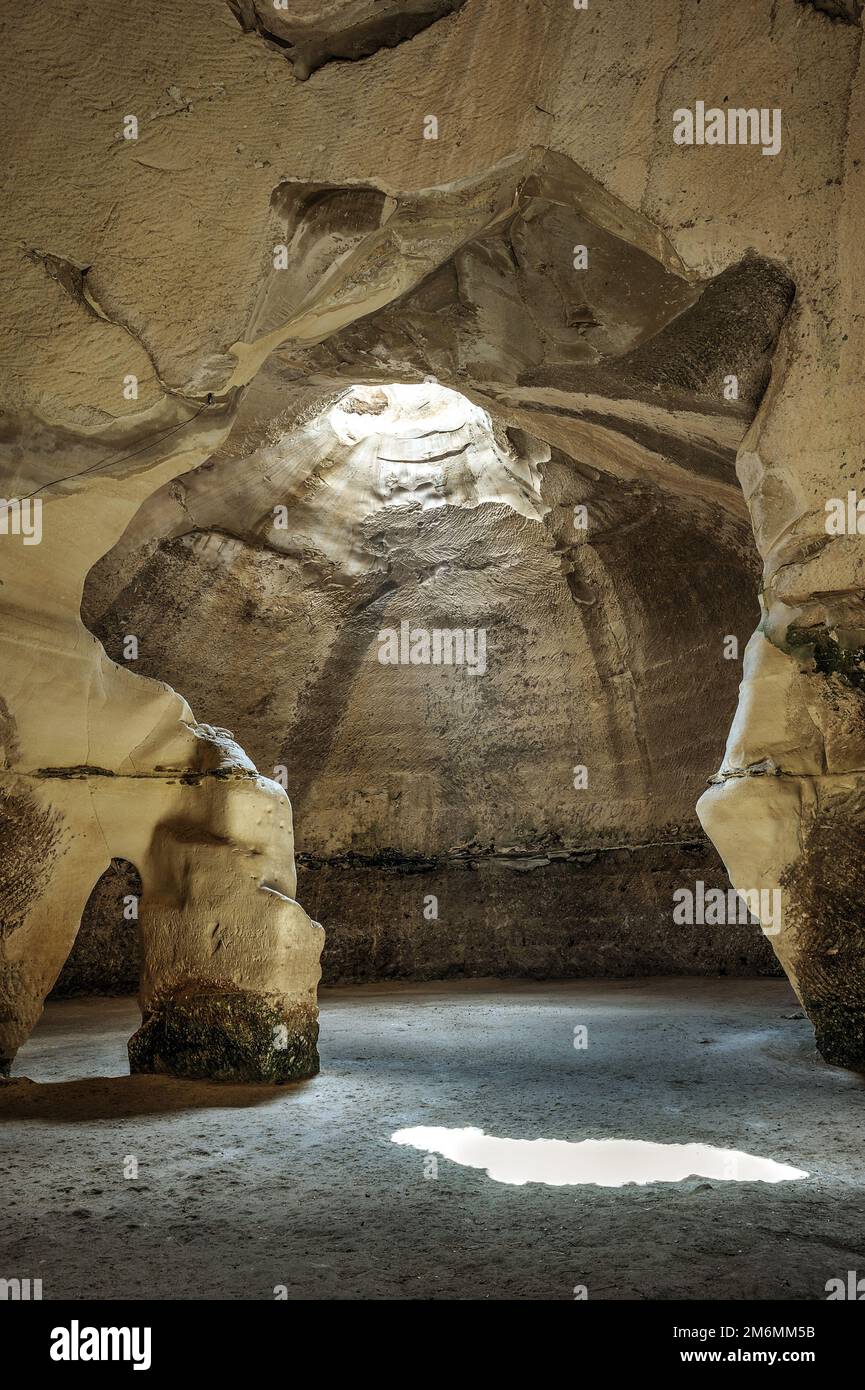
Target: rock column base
column 204, row 1033
column 840, row 1034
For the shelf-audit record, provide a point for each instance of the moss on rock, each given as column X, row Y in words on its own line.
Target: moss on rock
column 829, row 655
column 824, row 890
column 207, row 1032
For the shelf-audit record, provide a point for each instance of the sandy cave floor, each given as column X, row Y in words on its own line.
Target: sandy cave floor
column 243, row 1189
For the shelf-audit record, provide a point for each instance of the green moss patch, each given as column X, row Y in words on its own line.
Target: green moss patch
column 207, row 1033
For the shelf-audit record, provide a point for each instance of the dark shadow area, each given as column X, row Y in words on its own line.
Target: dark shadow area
column 125, row 1097
column 105, row 958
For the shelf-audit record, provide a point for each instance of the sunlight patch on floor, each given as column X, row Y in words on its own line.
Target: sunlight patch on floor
column 601, row 1162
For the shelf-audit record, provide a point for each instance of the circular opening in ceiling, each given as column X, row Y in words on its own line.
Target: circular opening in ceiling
column 407, row 412
column 427, row 444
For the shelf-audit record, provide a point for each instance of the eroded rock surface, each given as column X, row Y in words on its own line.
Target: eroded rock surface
column 154, row 264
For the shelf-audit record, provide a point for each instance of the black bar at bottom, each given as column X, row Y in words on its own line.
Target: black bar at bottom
column 64, row 1338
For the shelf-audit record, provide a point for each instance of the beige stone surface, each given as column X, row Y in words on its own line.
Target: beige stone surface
column 154, row 257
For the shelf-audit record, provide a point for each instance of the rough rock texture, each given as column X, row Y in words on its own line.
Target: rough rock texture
column 597, row 914
column 155, row 257
column 209, row 1031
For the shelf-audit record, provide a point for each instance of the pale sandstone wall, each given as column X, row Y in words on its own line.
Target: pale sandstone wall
column 152, row 257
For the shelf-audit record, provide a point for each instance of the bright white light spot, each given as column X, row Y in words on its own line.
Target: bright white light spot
column 406, row 411
column 425, row 446
column 601, row 1162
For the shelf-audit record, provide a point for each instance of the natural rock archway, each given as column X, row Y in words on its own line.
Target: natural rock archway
column 101, row 764
column 279, row 588
column 106, row 955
